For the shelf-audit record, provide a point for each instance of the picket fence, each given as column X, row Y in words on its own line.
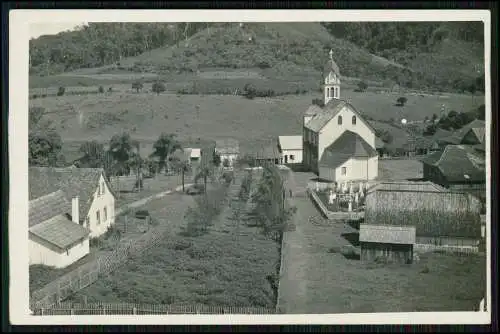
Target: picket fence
column 85, row 275
column 143, row 309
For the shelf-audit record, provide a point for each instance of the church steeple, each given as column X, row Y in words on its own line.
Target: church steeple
column 331, row 76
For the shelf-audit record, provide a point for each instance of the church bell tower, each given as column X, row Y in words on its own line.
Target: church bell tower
column 331, row 76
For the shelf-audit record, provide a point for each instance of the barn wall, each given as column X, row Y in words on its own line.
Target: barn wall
column 395, row 253
column 445, row 241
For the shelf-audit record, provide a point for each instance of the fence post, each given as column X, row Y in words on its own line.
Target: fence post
column 71, row 312
column 41, row 311
column 134, row 311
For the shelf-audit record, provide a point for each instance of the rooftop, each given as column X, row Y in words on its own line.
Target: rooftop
column 348, row 145
column 290, row 142
column 387, row 234
column 48, row 206
column 60, row 231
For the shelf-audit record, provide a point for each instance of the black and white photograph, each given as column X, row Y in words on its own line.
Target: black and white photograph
column 329, row 168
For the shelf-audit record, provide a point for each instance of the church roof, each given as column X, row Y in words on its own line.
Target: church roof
column 348, row 145
column 331, row 109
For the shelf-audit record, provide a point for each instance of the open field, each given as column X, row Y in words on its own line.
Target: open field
column 219, row 268
column 317, row 278
column 145, row 115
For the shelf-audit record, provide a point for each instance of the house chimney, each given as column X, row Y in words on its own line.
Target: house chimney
column 75, row 213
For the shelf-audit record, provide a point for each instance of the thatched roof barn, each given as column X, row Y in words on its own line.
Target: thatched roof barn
column 433, row 214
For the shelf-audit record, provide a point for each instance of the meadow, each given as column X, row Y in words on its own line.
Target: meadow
column 209, row 116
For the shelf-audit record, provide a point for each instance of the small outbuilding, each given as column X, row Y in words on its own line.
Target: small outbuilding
column 394, row 243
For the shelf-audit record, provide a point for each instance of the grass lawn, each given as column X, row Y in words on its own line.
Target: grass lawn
column 319, row 279
column 219, row 268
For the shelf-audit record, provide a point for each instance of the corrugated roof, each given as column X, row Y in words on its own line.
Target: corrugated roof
column 434, row 214
column 290, row 142
column 347, row 146
column 406, row 186
column 60, row 231
column 227, row 146
column 458, row 163
column 48, row 206
column 387, row 234
column 81, row 182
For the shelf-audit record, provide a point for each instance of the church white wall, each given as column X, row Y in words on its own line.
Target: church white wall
column 356, row 169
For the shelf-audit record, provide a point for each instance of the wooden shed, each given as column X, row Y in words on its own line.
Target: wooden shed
column 440, row 218
column 393, row 243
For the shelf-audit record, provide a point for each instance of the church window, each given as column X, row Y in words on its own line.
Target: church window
column 340, row 120
column 353, row 120
column 344, row 171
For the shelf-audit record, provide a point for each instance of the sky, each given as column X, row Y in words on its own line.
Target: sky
column 51, row 28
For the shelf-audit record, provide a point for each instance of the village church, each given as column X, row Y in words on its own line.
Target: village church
column 338, row 144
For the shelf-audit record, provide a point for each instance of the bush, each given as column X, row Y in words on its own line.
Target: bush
column 158, row 87
column 137, row 86
column 401, row 101
column 362, row 86
column 101, row 89
column 60, row 91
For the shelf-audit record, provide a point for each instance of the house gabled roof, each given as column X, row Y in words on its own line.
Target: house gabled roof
column 290, row 142
column 474, row 136
column 81, row 182
column 329, row 111
column 48, row 206
column 60, row 231
column 458, row 163
column 434, row 214
column 348, row 145
column 456, row 137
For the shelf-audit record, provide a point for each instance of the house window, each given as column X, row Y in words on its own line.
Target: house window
column 344, row 171
column 105, row 214
column 103, row 188
column 340, row 120
column 292, row 157
column 98, row 217
column 353, row 120
column 87, row 221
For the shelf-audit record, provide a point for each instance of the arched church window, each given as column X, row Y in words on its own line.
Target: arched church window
column 353, row 120
column 340, row 120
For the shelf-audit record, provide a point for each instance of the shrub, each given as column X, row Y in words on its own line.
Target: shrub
column 101, row 89
column 60, row 91
column 110, row 89
column 158, row 87
column 362, row 86
column 401, row 101
column 137, row 86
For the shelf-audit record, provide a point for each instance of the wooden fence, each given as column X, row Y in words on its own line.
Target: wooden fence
column 465, row 250
column 143, row 309
column 333, row 215
column 85, row 275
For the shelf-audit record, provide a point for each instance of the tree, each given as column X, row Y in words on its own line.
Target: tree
column 60, row 91
column 137, row 85
column 362, row 86
column 158, row 87
column 250, row 91
column 44, row 142
column 216, row 160
column 203, row 173
column 472, row 90
column 401, row 101
column 93, row 155
column 165, row 145
column 226, row 163
column 430, row 130
column 101, row 89
column 181, row 165
column 434, row 118
column 426, row 119
column 121, row 149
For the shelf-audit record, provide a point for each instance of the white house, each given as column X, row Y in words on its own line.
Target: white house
column 291, row 149
column 228, row 150
column 95, row 196
column 338, row 144
column 56, row 238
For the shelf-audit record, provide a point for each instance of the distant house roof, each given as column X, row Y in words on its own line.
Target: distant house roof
column 290, row 142
column 81, row 182
column 426, row 186
column 266, row 151
column 434, row 214
column 193, row 152
column 379, row 143
column 227, row 146
column 347, row 146
column 48, row 206
column 458, row 163
column 474, row 136
column 458, row 136
column 60, row 231
column 329, row 111
column 405, row 235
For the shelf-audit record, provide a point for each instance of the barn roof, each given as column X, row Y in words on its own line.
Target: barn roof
column 387, row 234
column 434, row 214
column 48, row 206
column 290, row 142
column 406, row 186
column 347, row 146
column 458, row 163
column 81, row 182
column 60, row 231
